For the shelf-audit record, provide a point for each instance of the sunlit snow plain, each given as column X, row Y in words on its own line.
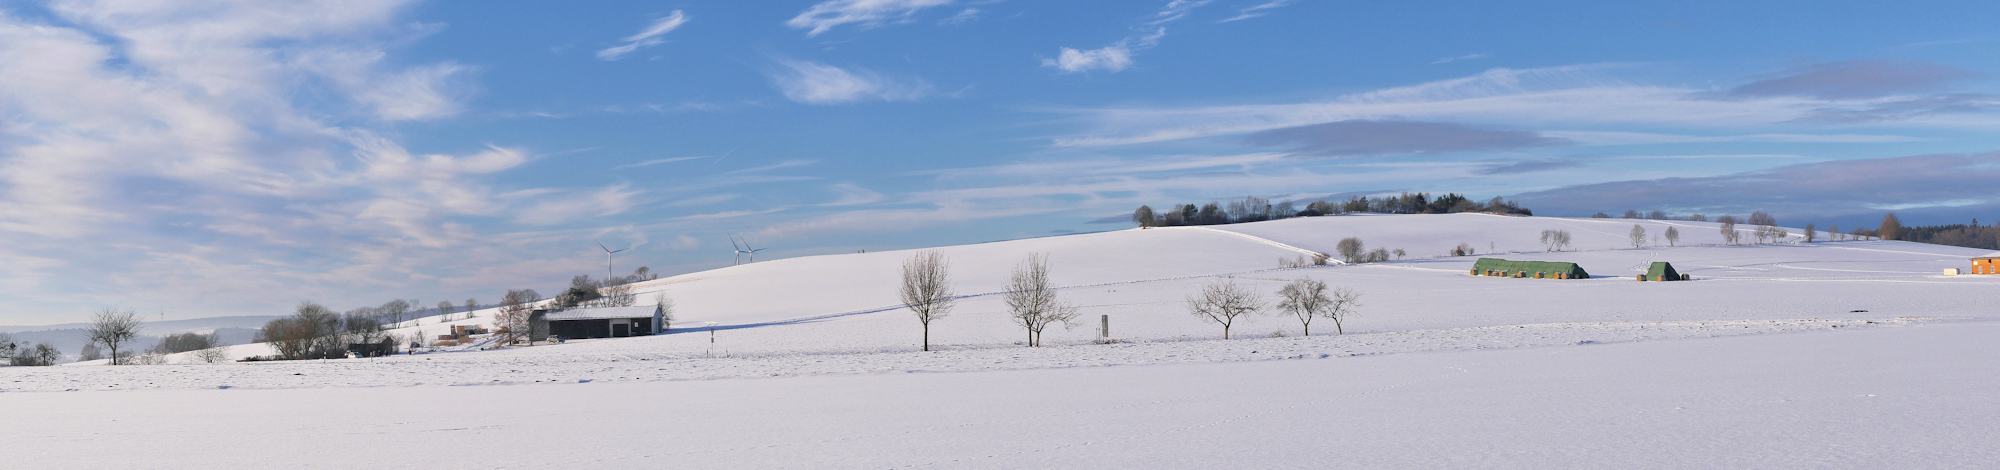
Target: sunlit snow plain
column 1827, row 354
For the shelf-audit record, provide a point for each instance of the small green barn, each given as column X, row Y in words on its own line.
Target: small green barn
column 1530, row 269
column 1662, row 271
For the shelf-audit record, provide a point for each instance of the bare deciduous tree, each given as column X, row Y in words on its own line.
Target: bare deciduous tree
column 394, row 310
column 515, row 308
column 1810, row 233
column 1833, row 233
column 470, row 305
column 927, row 289
column 1400, row 253
column 1345, row 301
column 1306, row 299
column 1638, row 236
column 112, row 329
column 1032, row 302
column 1223, row 303
column 1673, row 236
column 1728, row 228
column 444, row 310
column 616, row 296
column 1555, row 240
column 1351, row 250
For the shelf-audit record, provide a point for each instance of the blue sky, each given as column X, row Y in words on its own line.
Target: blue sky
column 224, row 158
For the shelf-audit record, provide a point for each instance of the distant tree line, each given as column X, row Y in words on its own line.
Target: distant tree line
column 1255, row 209
column 1766, row 230
column 1970, row 235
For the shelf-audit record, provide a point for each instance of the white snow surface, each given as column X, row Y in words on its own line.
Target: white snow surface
column 1830, row 354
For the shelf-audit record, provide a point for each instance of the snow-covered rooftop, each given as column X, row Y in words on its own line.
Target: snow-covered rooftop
column 600, row 313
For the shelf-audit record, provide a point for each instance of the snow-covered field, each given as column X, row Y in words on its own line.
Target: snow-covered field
column 1842, row 354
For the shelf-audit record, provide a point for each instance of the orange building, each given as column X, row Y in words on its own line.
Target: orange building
column 1987, row 264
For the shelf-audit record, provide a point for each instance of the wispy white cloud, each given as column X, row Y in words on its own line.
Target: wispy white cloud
column 826, row 15
column 1257, row 10
column 963, row 16
column 684, row 242
column 820, row 84
column 852, row 194
column 1459, row 58
column 648, row 37
column 572, row 205
column 1637, row 138
column 1118, row 56
column 655, row 161
column 706, row 200
column 1175, row 10
column 1570, row 96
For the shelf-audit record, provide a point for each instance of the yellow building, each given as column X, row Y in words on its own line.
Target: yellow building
column 1987, row 264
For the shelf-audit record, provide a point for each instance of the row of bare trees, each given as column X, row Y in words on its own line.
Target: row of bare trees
column 1030, row 296
column 1224, row 303
column 1032, row 302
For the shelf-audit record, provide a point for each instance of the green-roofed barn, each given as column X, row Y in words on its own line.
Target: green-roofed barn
column 1662, row 271
column 1534, row 269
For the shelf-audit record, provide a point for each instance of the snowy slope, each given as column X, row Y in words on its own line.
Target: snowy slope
column 1881, row 398
column 1861, row 347
column 846, row 303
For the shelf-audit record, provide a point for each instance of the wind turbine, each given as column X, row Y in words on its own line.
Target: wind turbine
column 743, row 248
column 607, row 258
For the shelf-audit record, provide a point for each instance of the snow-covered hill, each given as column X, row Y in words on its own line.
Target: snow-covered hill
column 1139, row 278
column 837, row 315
